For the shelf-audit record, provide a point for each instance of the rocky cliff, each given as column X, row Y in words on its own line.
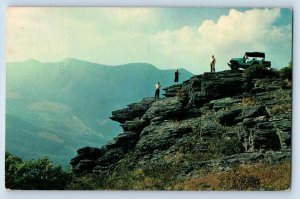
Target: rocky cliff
column 211, row 122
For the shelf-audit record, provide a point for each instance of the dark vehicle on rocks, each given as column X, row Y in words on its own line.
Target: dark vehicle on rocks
column 249, row 59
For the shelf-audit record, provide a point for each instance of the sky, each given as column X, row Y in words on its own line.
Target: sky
column 168, row 38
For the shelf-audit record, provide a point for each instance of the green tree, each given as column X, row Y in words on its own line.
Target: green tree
column 286, row 72
column 34, row 174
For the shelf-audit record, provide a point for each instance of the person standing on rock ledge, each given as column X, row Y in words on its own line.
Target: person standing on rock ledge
column 157, row 87
column 176, row 78
column 212, row 64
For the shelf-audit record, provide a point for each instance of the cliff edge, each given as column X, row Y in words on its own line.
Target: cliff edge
column 212, row 122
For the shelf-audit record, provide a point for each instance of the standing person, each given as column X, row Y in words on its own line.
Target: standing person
column 157, row 87
column 212, row 64
column 176, row 78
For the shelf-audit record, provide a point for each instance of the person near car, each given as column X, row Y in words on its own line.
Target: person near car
column 212, row 64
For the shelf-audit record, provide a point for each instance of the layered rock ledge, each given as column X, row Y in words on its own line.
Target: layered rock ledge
column 212, row 119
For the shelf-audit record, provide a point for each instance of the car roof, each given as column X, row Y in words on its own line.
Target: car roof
column 255, row 54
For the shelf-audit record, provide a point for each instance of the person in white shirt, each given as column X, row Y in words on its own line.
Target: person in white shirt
column 212, row 64
column 157, row 88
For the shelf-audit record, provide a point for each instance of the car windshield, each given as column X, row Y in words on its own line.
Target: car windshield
column 254, row 59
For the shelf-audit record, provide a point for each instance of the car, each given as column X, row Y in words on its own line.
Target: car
column 249, row 59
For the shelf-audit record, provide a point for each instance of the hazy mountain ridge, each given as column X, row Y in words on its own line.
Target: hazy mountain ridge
column 72, row 100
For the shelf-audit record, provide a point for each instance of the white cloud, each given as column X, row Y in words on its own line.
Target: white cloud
column 116, row 36
column 239, row 26
column 230, row 36
column 51, row 34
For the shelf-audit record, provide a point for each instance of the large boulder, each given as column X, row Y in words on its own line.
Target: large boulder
column 212, row 86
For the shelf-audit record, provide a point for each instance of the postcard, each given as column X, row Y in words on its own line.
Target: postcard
column 144, row 98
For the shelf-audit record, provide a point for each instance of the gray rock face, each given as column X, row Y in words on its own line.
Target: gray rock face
column 265, row 136
column 254, row 111
column 87, row 153
column 124, row 140
column 229, row 118
column 214, row 120
column 136, row 125
column 226, row 102
column 284, row 128
column 85, row 159
column 211, row 86
column 234, row 116
column 161, row 137
column 111, row 157
column 165, row 108
column 133, row 111
column 172, row 91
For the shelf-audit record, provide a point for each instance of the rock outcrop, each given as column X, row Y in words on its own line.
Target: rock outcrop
column 212, row 119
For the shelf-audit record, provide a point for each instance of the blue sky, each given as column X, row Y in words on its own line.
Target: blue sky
column 165, row 37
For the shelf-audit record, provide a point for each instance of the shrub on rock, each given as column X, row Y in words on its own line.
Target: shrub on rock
column 260, row 72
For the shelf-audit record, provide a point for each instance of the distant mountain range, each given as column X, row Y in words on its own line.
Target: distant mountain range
column 52, row 109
